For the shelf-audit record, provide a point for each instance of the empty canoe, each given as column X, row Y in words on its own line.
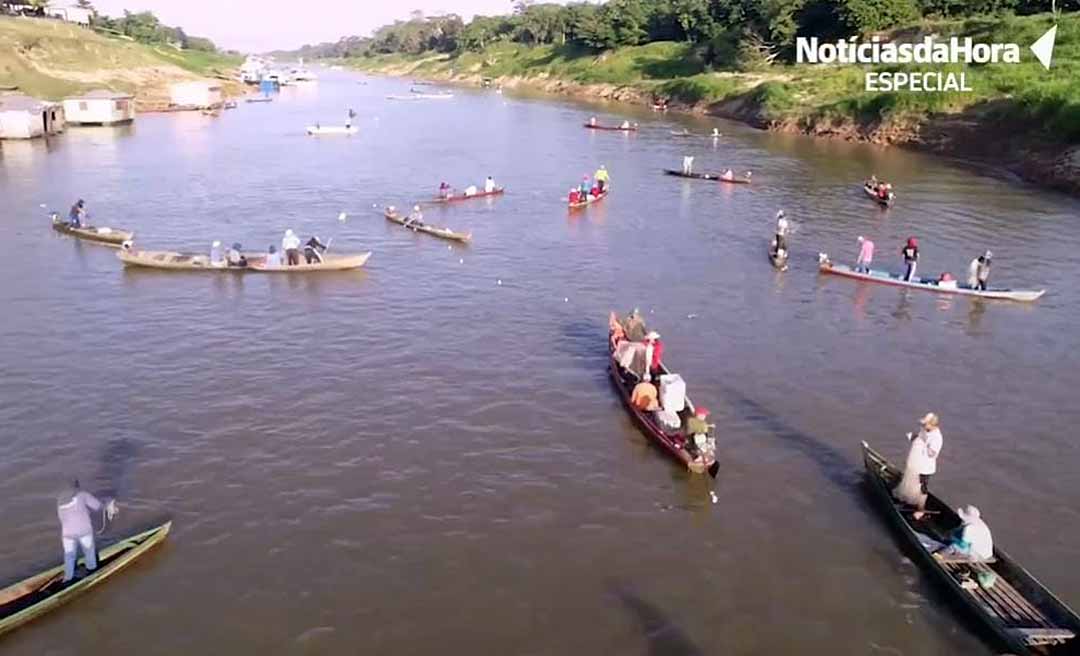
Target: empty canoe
column 1007, row 601
column 100, row 234
column 442, row 233
column 886, row 278
column 316, row 130
column 30, row 598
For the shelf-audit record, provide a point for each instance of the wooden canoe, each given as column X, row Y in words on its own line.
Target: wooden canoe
column 178, row 261
column 878, row 199
column 329, row 263
column 1017, row 610
column 585, row 203
column 442, row 233
column 707, row 176
column 672, row 443
column 611, row 128
column 101, row 235
column 316, row 130
column 684, row 133
column 457, row 198
column 30, row 598
column 779, row 262
column 886, row 278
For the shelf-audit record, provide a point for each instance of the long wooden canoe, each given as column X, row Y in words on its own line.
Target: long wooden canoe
column 442, row 233
column 30, row 598
column 347, row 130
column 329, row 263
column 707, row 176
column 178, row 261
column 886, row 278
column 672, row 443
column 102, row 235
column 878, row 199
column 589, row 201
column 457, row 198
column 612, row 128
column 1017, row 610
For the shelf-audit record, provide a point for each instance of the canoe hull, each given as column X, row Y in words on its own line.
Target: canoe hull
column 1017, row 601
column 461, row 197
column 592, row 200
column 171, row 261
column 329, row 263
column 30, row 598
column 885, row 278
column 712, row 177
column 441, row 233
column 332, row 130
column 109, row 237
column 877, row 199
column 610, row 128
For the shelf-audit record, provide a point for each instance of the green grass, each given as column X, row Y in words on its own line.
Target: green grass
column 1024, row 93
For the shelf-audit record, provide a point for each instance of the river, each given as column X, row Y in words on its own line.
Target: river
column 427, row 457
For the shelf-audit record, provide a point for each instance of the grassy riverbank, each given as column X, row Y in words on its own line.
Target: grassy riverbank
column 1019, row 111
column 51, row 59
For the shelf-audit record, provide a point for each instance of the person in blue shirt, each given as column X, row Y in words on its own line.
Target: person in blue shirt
column 77, row 215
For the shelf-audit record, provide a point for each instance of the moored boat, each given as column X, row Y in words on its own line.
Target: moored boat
column 588, row 201
column 886, row 278
column 30, row 598
column 672, row 442
column 612, row 128
column 884, row 202
column 100, row 234
column 347, row 130
column 1000, row 594
column 716, row 177
column 499, row 191
column 443, row 233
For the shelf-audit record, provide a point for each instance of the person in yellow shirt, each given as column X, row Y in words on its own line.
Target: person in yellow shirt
column 644, row 397
column 602, row 179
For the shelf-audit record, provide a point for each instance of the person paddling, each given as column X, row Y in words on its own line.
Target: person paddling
column 313, row 250
column 866, row 255
column 77, row 214
column 416, row 217
column 979, row 271
column 602, row 178
column 73, row 506
column 910, row 252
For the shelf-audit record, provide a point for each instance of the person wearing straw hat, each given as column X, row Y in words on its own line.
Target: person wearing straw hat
column 922, row 458
column 973, row 540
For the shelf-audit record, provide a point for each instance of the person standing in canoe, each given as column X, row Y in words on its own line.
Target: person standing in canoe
column 73, row 507
column 489, row 185
column 654, row 352
column 910, row 252
column 782, row 230
column 634, row 327
column 592, row 121
column 217, row 255
column 921, row 464
column 313, row 250
column 687, row 165
column 866, row 255
column 273, row 257
column 585, row 188
column 625, row 125
column 602, row 178
column 290, row 244
column 444, row 191
column 979, row 271
column 77, row 214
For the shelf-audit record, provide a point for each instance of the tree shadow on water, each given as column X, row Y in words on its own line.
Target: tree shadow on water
column 114, row 468
column 833, row 463
column 665, row 638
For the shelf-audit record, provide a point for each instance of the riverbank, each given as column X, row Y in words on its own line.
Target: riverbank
column 51, row 59
column 1017, row 117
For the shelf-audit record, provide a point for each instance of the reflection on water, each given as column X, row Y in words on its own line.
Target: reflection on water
column 417, row 427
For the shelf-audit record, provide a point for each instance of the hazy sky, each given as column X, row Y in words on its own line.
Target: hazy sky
column 259, row 26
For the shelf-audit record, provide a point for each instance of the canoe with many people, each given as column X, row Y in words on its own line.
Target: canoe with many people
column 717, row 177
column 1000, row 594
column 873, row 193
column 665, row 424
column 174, row 261
column 938, row 286
column 100, row 234
column 589, row 200
column 30, row 598
column 393, row 216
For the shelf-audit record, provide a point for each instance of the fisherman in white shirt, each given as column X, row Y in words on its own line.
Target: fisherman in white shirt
column 489, row 185
column 922, row 458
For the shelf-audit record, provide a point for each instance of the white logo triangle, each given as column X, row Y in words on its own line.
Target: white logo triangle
column 1044, row 47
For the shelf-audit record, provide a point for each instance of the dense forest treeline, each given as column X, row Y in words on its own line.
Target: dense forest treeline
column 736, row 33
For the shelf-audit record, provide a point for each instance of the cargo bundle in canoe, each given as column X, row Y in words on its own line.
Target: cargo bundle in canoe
column 673, row 443
column 612, row 128
column 416, row 226
column 28, row 599
column 102, row 234
column 457, row 198
column 886, row 278
column 589, row 201
column 878, row 199
column 709, row 176
column 1016, row 609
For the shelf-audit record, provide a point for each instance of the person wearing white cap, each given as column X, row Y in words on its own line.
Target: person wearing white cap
column 973, row 539
column 922, row 458
column 290, row 243
column 979, row 271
